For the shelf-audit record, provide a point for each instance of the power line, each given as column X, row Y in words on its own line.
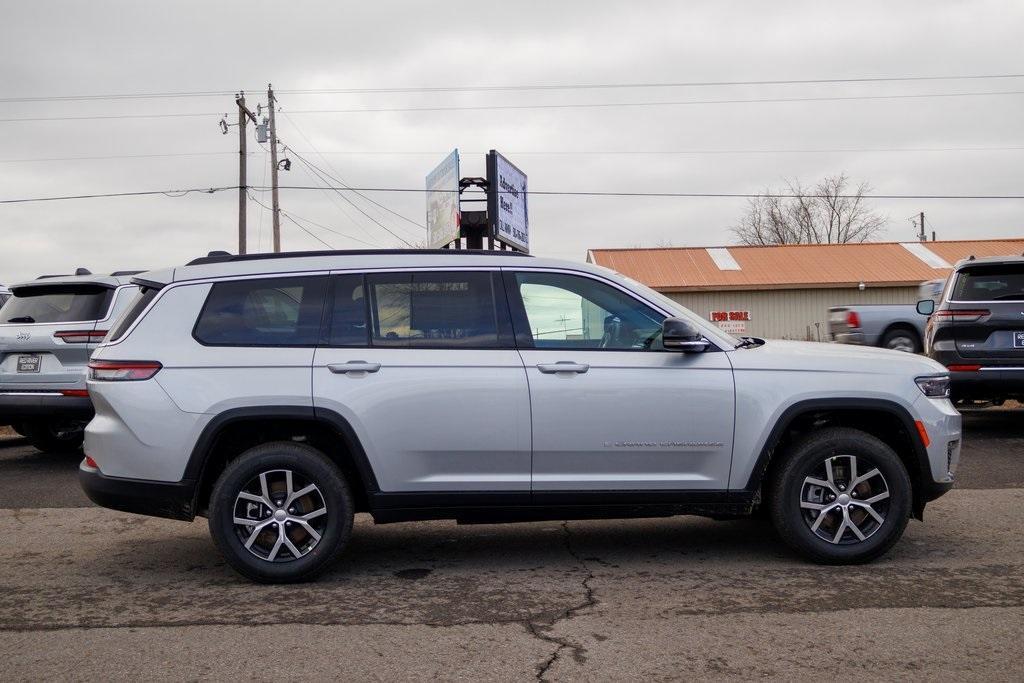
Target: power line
column 168, row 193
column 624, row 152
column 549, row 193
column 294, row 216
column 337, row 177
column 499, row 107
column 507, row 88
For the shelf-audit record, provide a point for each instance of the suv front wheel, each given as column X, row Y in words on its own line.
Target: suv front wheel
column 281, row 512
column 841, row 496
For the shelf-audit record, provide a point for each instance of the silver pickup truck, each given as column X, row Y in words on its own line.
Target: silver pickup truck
column 891, row 326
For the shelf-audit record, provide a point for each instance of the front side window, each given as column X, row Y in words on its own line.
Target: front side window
column 57, row 304
column 266, row 312
column 573, row 312
column 433, row 309
column 990, row 283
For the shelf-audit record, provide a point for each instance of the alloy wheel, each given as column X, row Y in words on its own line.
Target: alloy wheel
column 280, row 516
column 842, row 506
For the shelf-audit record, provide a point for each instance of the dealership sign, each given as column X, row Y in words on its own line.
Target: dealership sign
column 443, row 213
column 506, row 203
column 733, row 322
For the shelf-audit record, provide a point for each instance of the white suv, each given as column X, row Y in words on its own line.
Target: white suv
column 280, row 394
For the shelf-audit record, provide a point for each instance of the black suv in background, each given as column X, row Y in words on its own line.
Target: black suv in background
column 977, row 329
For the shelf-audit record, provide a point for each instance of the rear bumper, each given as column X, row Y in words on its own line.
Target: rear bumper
column 846, row 335
column 23, row 404
column 989, row 383
column 172, row 500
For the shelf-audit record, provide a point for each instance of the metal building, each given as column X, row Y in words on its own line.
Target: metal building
column 785, row 291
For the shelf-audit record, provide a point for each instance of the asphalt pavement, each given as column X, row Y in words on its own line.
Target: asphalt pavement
column 87, row 593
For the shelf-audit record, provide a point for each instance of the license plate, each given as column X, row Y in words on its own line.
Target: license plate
column 28, row 363
column 1018, row 340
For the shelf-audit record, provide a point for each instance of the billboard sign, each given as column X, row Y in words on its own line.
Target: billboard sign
column 443, row 214
column 506, row 203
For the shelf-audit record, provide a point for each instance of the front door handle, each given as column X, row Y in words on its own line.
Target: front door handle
column 562, row 366
column 353, row 366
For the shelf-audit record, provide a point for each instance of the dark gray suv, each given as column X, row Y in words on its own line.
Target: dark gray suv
column 977, row 329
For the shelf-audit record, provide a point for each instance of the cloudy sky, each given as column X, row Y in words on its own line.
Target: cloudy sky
column 919, row 146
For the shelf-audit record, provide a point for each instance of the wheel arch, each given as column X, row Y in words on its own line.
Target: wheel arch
column 236, row 430
column 887, row 420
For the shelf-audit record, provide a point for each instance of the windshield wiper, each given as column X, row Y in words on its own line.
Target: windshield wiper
column 1003, row 297
column 22, row 319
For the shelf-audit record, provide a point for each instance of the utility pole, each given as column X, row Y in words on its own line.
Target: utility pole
column 243, row 116
column 921, row 236
column 273, row 170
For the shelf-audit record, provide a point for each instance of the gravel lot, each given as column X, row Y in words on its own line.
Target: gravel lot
column 87, row 593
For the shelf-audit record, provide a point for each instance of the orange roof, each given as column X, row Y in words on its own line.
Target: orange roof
column 797, row 266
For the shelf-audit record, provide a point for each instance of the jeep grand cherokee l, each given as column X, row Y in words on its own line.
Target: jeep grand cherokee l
column 977, row 330
column 280, row 394
column 47, row 330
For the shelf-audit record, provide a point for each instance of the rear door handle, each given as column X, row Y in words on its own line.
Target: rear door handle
column 562, row 366
column 353, row 366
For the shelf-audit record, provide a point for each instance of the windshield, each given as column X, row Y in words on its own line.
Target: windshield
column 1004, row 282
column 675, row 307
column 56, row 304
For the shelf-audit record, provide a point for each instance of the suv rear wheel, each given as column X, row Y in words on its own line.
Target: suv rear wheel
column 281, row 512
column 842, row 496
column 54, row 436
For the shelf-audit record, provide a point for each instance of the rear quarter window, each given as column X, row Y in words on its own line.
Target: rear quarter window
column 57, row 304
column 264, row 312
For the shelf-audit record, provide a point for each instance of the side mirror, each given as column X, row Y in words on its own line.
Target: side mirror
column 926, row 306
column 682, row 335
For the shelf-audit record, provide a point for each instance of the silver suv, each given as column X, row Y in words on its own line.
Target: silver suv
column 279, row 395
column 48, row 328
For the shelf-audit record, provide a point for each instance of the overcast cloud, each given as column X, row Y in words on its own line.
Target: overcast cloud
column 72, row 48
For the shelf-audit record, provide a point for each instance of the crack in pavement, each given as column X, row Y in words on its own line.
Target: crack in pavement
column 542, row 629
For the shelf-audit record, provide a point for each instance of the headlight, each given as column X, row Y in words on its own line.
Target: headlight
column 934, row 387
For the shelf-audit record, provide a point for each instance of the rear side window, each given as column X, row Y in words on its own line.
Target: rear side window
column 348, row 315
column 265, row 312
column 131, row 314
column 990, row 283
column 57, row 304
column 433, row 310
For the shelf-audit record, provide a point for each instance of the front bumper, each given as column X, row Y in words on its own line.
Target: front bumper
column 172, row 500
column 18, row 405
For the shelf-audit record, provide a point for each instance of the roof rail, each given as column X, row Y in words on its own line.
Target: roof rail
column 224, row 257
column 120, row 273
column 48, row 277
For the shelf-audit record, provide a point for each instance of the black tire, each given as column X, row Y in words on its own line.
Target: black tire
column 306, row 464
column 788, row 489
column 54, row 436
column 901, row 339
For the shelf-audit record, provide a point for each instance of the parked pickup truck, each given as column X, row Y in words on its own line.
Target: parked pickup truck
column 891, row 326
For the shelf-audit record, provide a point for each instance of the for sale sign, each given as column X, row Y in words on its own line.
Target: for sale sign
column 507, row 202
column 443, row 214
column 733, row 322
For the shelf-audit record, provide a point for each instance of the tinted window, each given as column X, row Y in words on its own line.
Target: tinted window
column 573, row 312
column 348, row 317
column 436, row 310
column 272, row 312
column 57, row 304
column 990, row 283
column 134, row 310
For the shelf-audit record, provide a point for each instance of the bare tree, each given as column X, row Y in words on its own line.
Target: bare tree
column 832, row 212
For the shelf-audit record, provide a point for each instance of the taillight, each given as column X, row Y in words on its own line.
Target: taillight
column 80, row 336
column 963, row 368
column 961, row 316
column 89, row 462
column 852, row 319
column 122, row 370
